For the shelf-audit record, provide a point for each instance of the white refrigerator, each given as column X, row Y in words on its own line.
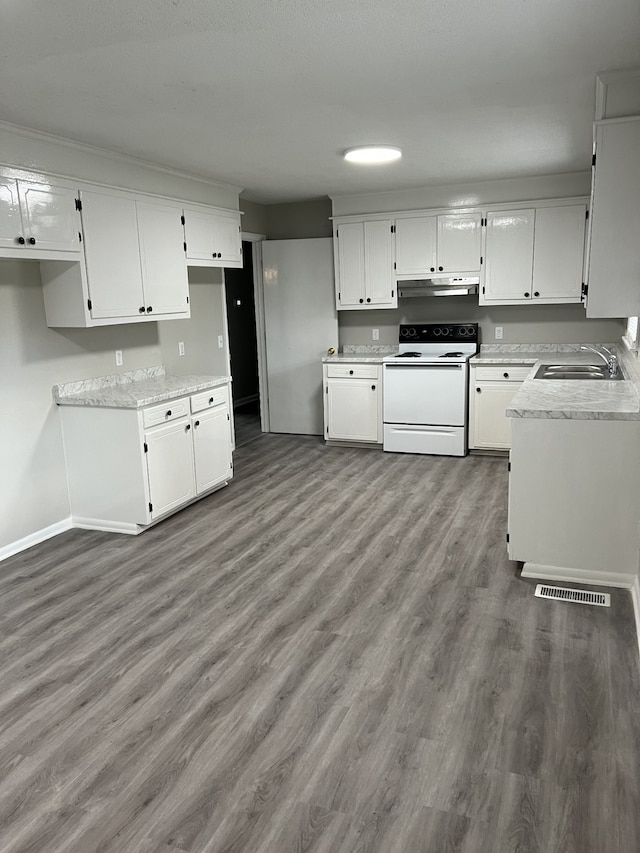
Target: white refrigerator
column 301, row 323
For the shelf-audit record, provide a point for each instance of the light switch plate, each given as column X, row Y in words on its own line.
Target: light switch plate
column 220, row 341
column 181, row 348
column 375, row 334
column 498, row 333
column 119, row 358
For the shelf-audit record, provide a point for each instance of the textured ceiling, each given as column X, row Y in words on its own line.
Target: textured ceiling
column 266, row 95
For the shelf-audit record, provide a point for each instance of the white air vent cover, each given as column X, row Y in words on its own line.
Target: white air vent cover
column 580, row 596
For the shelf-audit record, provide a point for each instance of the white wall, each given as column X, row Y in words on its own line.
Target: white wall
column 33, row 485
column 466, row 195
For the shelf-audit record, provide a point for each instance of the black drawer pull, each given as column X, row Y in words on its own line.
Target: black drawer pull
column 506, row 375
column 373, row 387
column 210, row 399
column 21, row 240
column 478, row 390
column 197, row 423
column 168, row 415
column 32, row 240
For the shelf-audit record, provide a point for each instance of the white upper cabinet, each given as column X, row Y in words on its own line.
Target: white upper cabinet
column 134, row 267
column 614, row 256
column 164, row 271
column 534, row 255
column 416, row 246
column 38, row 220
column 213, row 239
column 363, row 255
column 448, row 244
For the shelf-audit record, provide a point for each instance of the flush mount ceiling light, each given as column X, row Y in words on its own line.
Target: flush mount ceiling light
column 372, row 154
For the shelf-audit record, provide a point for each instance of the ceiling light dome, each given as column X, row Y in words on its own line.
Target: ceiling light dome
column 372, row 154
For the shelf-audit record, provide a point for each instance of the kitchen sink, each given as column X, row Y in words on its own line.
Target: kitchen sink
column 576, row 371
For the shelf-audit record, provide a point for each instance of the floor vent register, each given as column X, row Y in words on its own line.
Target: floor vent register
column 580, row 596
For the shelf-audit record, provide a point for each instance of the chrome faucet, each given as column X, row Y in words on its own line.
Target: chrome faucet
column 610, row 359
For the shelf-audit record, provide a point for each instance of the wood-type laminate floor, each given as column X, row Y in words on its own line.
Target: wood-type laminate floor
column 331, row 655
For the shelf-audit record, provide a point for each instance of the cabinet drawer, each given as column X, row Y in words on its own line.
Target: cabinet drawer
column 357, row 371
column 206, row 399
column 502, row 373
column 169, row 411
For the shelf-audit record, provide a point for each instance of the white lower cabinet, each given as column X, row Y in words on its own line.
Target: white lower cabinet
column 353, row 402
column 128, row 468
column 491, row 390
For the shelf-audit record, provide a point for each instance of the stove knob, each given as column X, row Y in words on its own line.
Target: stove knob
column 437, row 332
column 463, row 331
column 445, row 331
column 412, row 333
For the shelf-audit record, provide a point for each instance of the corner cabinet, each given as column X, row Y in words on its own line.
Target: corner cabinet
column 491, row 390
column 534, row 255
column 614, row 259
column 39, row 220
column 134, row 268
column 363, row 257
column 128, row 468
column 353, row 402
column 212, row 239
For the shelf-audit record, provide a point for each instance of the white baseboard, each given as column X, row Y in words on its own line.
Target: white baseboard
column 635, row 598
column 561, row 573
column 106, row 526
column 35, row 538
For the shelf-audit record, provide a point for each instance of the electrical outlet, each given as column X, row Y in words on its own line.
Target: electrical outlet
column 375, row 334
column 220, row 341
column 118, row 358
column 498, row 333
column 181, row 348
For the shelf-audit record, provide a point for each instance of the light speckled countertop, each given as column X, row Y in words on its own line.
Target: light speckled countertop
column 133, row 389
column 359, row 354
column 576, row 399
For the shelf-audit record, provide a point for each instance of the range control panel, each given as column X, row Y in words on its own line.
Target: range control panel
column 427, row 333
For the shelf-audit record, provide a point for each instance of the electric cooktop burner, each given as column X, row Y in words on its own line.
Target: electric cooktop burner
column 452, row 355
column 408, row 355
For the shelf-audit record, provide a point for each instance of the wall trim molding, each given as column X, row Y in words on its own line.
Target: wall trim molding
column 53, row 139
column 35, row 538
column 78, row 522
column 635, row 598
column 619, row 580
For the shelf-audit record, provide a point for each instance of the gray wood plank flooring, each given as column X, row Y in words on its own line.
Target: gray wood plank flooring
column 332, row 655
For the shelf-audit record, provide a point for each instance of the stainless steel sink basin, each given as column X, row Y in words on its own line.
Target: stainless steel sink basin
column 576, row 371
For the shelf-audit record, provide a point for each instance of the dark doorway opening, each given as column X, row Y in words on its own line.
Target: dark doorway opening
column 243, row 348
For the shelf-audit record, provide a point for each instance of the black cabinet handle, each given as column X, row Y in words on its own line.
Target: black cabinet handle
column 527, row 295
column 168, row 415
column 536, row 293
column 219, row 254
column 361, row 301
column 440, row 269
column 506, row 375
column 149, row 309
column 478, row 390
column 351, row 373
column 373, row 387
column 368, row 299
column 433, row 269
column 188, row 427
column 32, row 240
column 211, row 399
column 197, row 423
column 21, row 240
column 141, row 309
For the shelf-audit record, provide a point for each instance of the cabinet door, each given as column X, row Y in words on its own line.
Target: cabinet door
column 170, row 466
column 416, row 246
column 49, row 217
column 353, row 410
column 164, row 266
column 378, row 264
column 614, row 259
column 112, row 253
column 228, row 242
column 350, row 269
column 212, row 448
column 459, row 243
column 212, row 239
column 509, row 256
column 558, row 253
column 10, row 220
column 490, row 427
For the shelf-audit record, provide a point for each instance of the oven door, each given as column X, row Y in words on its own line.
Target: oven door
column 425, row 393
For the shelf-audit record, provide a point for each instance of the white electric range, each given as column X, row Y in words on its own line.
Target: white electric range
column 425, row 389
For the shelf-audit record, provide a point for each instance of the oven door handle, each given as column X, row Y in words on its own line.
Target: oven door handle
column 424, row 366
